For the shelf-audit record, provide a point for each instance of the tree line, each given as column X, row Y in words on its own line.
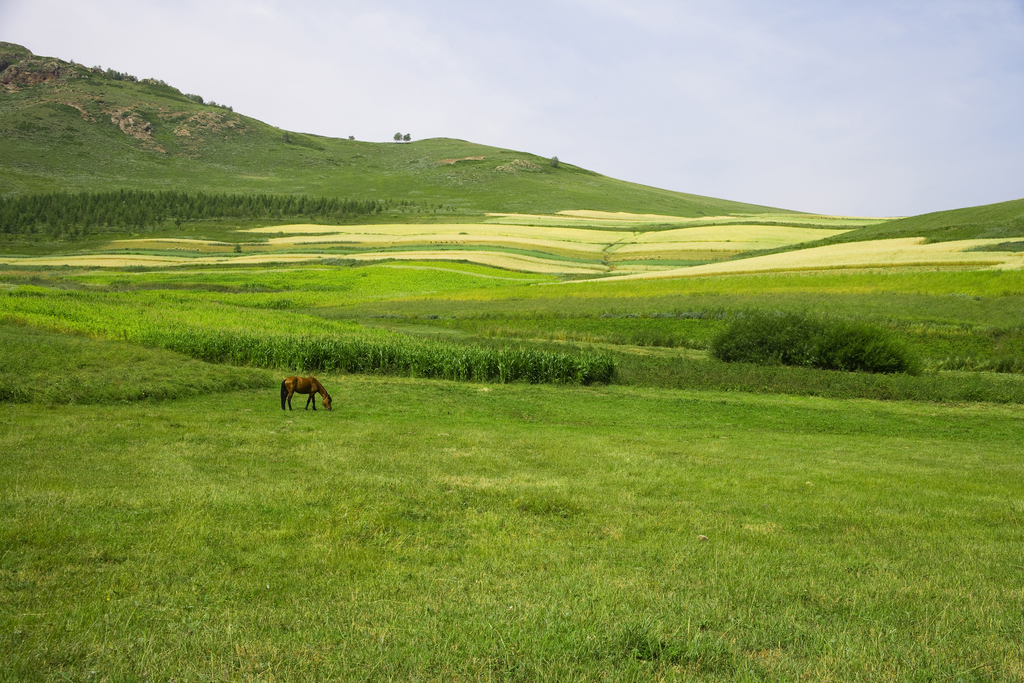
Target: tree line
column 75, row 214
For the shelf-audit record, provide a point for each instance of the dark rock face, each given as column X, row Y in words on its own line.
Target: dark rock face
column 32, row 72
column 19, row 66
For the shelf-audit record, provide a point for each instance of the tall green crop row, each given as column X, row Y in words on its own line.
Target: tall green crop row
column 221, row 333
column 396, row 355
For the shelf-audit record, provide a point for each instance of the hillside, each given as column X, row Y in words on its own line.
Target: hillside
column 67, row 127
column 1000, row 225
column 991, row 221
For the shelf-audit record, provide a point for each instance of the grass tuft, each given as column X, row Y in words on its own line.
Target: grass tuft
column 702, row 652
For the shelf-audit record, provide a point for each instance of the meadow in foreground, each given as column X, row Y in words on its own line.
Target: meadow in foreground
column 161, row 518
column 429, row 530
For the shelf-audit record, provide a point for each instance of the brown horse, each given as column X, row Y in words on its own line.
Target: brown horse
column 303, row 385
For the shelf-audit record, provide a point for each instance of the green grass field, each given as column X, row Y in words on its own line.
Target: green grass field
column 692, row 520
column 437, row 531
column 678, row 519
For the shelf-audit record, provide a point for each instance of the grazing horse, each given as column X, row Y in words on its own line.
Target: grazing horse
column 303, row 385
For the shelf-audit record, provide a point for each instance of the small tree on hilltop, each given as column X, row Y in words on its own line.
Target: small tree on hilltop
column 398, row 137
column 554, row 162
column 407, row 137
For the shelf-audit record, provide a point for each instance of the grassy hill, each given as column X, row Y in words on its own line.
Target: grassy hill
column 991, row 221
column 66, row 127
column 1000, row 221
column 69, row 128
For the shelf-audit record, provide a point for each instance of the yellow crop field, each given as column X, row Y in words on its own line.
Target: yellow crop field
column 681, row 243
column 705, row 252
column 584, row 249
column 134, row 260
column 629, row 222
column 426, row 230
column 496, row 259
column 164, row 243
column 810, row 219
column 633, row 217
column 97, row 260
column 908, row 252
column 490, row 258
column 578, row 242
column 762, row 236
column 606, row 219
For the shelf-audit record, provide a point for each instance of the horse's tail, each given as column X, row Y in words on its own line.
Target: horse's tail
column 284, row 394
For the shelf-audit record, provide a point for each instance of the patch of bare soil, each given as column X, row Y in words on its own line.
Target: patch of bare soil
column 86, row 116
column 207, row 121
column 455, row 161
column 518, row 165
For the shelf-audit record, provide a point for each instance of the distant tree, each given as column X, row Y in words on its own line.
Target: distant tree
column 351, row 137
column 554, row 162
column 398, row 137
column 119, row 76
column 407, row 137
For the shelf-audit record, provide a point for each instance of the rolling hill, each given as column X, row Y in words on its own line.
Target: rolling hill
column 70, row 128
column 67, row 127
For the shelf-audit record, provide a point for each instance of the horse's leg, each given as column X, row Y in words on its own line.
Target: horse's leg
column 310, row 399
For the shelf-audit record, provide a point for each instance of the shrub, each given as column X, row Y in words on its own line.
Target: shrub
column 801, row 340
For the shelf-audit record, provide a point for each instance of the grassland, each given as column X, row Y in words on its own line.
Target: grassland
column 439, row 531
column 658, row 330
column 474, row 531
column 687, row 520
column 162, row 519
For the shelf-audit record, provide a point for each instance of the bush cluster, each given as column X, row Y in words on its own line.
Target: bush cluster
column 801, row 340
column 116, row 75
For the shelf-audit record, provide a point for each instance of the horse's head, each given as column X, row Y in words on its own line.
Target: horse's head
column 327, row 401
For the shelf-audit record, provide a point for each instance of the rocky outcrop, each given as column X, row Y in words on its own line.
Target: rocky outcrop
column 33, row 73
column 19, row 67
column 135, row 126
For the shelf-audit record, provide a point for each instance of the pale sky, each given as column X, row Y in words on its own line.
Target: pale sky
column 857, row 107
